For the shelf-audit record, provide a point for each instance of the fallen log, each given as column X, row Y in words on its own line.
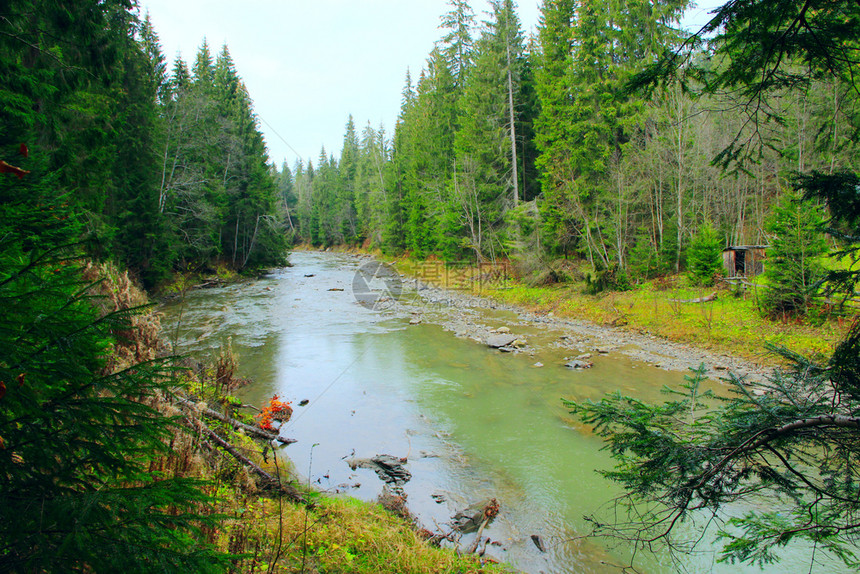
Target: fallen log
column 706, row 299
column 479, row 535
column 487, row 513
column 248, row 429
column 269, row 481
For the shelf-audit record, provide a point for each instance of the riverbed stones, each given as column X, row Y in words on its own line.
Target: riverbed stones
column 499, row 340
column 387, row 467
column 469, row 519
column 578, row 365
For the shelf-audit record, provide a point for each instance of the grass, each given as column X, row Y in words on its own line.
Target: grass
column 339, row 535
column 732, row 323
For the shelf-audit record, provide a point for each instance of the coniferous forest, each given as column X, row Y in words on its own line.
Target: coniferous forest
column 536, row 148
column 108, row 156
column 164, row 169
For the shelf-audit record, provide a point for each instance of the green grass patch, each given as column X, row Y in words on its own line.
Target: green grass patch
column 730, row 324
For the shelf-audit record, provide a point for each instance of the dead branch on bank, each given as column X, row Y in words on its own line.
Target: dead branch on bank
column 236, row 424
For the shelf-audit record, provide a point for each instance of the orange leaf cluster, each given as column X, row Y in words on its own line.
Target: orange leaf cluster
column 492, row 509
column 276, row 410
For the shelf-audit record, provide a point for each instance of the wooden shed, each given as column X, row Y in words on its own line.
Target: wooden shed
column 744, row 260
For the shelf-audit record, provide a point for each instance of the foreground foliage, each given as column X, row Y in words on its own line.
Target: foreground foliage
column 78, row 427
column 790, row 445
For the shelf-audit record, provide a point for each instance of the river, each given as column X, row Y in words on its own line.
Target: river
column 473, row 422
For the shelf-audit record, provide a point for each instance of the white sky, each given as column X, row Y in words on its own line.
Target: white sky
column 309, row 64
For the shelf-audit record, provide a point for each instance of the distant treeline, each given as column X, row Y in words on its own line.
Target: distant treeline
column 536, row 149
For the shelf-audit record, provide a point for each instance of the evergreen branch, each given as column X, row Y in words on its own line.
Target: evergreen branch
column 803, row 478
column 765, row 436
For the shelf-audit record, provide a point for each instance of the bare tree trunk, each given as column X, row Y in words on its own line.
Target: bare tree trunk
column 253, row 240
column 236, row 240
column 513, row 131
column 680, row 183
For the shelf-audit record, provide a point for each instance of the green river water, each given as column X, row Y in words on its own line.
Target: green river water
column 473, row 422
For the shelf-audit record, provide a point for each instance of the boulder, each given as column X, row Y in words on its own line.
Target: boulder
column 500, row 340
column 389, row 468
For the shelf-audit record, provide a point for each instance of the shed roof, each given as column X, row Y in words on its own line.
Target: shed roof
column 745, row 247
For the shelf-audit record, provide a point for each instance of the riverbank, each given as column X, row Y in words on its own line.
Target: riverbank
column 452, row 309
column 668, row 325
column 470, row 422
column 266, row 520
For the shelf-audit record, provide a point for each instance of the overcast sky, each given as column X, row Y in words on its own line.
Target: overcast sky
column 309, row 64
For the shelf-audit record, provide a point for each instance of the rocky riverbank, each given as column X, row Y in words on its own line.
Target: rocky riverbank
column 521, row 331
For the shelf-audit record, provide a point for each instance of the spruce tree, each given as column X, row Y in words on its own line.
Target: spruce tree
column 704, row 256
column 793, row 268
column 77, row 433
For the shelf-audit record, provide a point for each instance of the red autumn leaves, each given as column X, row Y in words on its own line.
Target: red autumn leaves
column 275, row 410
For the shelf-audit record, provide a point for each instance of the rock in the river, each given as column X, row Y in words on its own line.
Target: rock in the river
column 389, row 468
column 500, row 340
column 579, row 365
column 469, row 519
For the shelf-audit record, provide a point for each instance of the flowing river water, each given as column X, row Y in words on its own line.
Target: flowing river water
column 473, row 422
